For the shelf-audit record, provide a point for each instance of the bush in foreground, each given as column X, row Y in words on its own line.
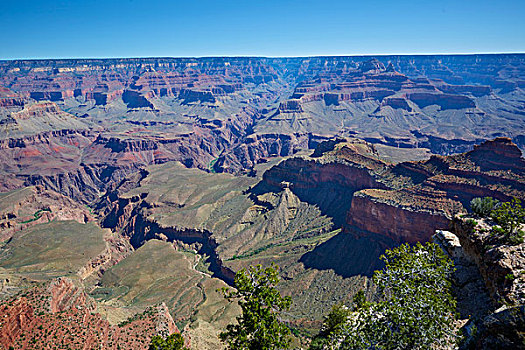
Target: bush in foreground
column 416, row 308
column 483, row 207
column 509, row 216
column 259, row 327
column 172, row 342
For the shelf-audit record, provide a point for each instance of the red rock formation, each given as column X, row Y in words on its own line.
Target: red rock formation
column 413, row 213
column 62, row 314
column 406, row 202
column 401, row 224
column 148, row 101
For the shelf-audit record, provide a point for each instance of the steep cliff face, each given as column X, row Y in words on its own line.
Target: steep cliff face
column 328, row 182
column 500, row 265
column 497, row 323
column 401, row 224
column 437, row 189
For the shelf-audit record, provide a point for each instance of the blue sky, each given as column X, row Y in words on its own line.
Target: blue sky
column 148, row 28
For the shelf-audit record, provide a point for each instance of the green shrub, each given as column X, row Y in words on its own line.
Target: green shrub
column 482, row 207
column 509, row 216
column 416, row 308
column 333, row 324
column 472, row 222
column 259, row 326
column 510, row 277
column 172, row 342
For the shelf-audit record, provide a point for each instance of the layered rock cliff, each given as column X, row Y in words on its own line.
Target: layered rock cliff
column 406, row 202
column 30, row 206
column 251, row 106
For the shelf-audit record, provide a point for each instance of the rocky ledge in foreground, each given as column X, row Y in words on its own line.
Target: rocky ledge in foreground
column 489, row 283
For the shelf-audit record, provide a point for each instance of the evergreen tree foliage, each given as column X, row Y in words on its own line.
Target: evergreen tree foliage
column 509, row 216
column 172, row 342
column 333, row 323
column 416, row 308
column 259, row 327
column 483, row 207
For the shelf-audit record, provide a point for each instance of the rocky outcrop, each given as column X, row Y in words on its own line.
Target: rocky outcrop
column 401, row 224
column 500, row 153
column 62, row 314
column 117, row 248
column 165, row 324
column 372, row 65
column 64, row 295
column 438, row 188
column 406, row 202
column 328, row 184
column 290, row 106
column 445, row 101
column 490, row 325
column 497, row 322
column 500, row 330
column 472, row 296
column 190, row 96
column 29, row 206
column 397, row 102
column 501, row 265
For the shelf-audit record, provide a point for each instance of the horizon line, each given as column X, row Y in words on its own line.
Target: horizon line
column 265, row 56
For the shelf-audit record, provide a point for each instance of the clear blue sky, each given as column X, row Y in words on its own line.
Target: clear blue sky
column 146, row 28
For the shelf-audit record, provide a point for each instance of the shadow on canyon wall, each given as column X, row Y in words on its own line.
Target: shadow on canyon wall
column 349, row 255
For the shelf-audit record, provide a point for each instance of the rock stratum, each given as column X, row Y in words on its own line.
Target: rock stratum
column 91, row 122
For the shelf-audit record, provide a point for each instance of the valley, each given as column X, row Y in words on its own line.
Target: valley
column 132, row 190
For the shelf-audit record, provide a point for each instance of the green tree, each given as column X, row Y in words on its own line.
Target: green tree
column 509, row 216
column 333, row 323
column 172, row 342
column 259, row 327
column 416, row 308
column 483, row 207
